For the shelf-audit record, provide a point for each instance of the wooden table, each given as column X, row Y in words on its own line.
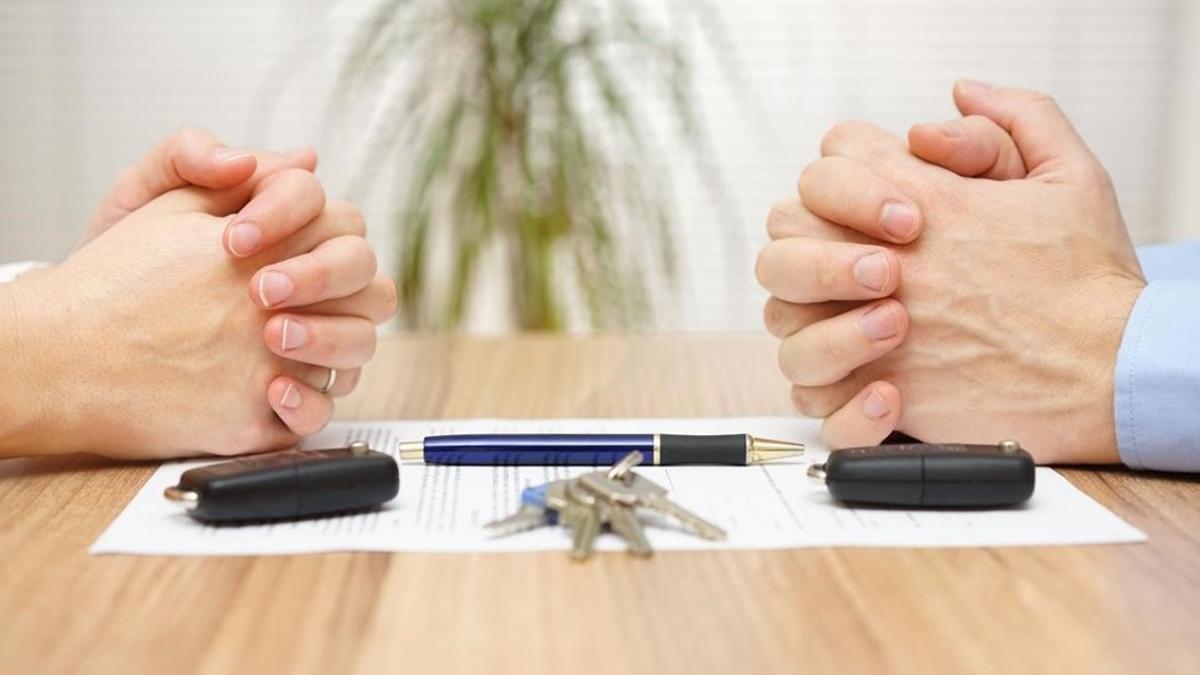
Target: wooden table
column 1128, row 608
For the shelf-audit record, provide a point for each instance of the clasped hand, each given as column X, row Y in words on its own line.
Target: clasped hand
column 971, row 285
column 201, row 313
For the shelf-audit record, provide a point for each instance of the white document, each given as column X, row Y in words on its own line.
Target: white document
column 442, row 508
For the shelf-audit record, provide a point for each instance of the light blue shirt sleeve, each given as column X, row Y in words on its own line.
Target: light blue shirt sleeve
column 1157, row 385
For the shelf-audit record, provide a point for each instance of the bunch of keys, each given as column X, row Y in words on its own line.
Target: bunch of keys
column 598, row 500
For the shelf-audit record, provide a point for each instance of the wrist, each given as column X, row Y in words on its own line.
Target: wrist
column 1096, row 437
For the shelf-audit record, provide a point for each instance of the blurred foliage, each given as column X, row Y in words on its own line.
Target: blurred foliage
column 482, row 102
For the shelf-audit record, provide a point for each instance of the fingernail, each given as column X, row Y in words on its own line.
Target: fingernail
column 875, row 407
column 291, row 397
column 899, row 219
column 873, row 271
column 244, row 239
column 953, row 129
column 975, row 87
column 293, row 334
column 274, row 287
column 878, row 324
column 227, row 155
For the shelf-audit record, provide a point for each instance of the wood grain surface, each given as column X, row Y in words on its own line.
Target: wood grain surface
column 1094, row 609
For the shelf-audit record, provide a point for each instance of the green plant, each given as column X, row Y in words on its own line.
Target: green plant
column 512, row 127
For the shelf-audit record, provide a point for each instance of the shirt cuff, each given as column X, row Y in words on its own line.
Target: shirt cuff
column 1157, row 383
column 1170, row 261
column 11, row 271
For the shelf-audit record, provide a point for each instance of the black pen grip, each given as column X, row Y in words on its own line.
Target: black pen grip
column 727, row 449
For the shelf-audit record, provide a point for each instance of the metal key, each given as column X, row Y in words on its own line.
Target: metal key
column 527, row 518
column 637, row 490
column 624, row 521
column 623, row 467
column 533, row 513
column 585, row 515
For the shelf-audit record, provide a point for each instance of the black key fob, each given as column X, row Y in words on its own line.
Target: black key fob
column 929, row 474
column 289, row 484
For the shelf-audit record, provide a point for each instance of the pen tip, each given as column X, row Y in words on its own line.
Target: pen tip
column 412, row 451
column 767, row 450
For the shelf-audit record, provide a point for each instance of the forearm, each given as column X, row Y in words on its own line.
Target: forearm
column 31, row 419
column 19, row 409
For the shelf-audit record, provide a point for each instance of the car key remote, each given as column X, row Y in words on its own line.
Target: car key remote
column 288, row 484
column 929, row 474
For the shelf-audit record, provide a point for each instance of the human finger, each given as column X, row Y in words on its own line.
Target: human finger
column 1046, row 139
column 302, row 408
column 376, row 303
column 222, row 202
column 337, row 219
column 800, row 269
column 783, row 318
column 281, row 204
column 336, row 268
column 829, row 350
column 821, row 401
column 341, row 342
column 866, row 419
column 187, row 157
column 849, row 193
column 972, row 146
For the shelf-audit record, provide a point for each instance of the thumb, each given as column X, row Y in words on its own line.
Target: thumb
column 187, row 157
column 973, row 146
column 1045, row 137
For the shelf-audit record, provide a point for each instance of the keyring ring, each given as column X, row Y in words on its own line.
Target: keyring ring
column 330, row 380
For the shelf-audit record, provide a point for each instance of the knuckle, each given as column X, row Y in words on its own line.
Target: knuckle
column 303, row 181
column 780, row 217
column 829, row 351
column 834, row 137
column 776, row 317
column 805, row 183
column 1098, row 178
column 187, row 135
column 318, row 279
column 368, row 263
column 827, row 274
column 128, row 177
column 391, row 297
column 372, row 344
column 843, row 132
column 349, row 219
column 763, row 264
column 809, row 401
column 1041, row 99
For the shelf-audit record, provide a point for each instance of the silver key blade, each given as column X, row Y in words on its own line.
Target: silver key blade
column 623, row 520
column 527, row 518
column 689, row 520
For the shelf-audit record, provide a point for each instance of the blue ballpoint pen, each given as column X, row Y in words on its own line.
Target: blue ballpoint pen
column 595, row 449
